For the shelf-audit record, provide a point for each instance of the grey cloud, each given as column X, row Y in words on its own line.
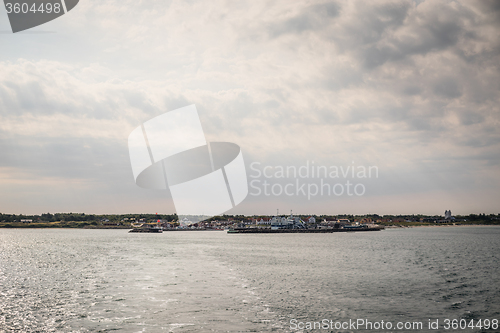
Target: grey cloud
column 175, row 102
column 491, row 8
column 482, row 140
column 425, row 124
column 310, row 18
column 447, row 87
column 26, row 96
column 139, row 100
column 436, row 33
column 46, row 91
column 90, row 159
column 64, row 174
column 393, row 31
column 411, row 90
column 342, row 78
column 419, row 91
column 374, row 19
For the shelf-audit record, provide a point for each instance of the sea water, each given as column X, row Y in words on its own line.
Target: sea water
column 76, row 280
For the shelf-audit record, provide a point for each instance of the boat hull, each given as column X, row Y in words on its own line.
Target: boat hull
column 154, row 231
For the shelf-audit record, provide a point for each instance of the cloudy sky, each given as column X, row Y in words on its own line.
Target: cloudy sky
column 411, row 87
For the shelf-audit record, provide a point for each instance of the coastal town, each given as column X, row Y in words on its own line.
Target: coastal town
column 224, row 222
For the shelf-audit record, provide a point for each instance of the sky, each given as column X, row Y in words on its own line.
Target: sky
column 411, row 88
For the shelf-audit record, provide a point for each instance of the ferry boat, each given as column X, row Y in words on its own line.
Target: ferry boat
column 147, row 227
column 290, row 222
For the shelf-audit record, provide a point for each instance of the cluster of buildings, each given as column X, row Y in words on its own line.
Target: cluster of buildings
column 281, row 222
column 275, row 222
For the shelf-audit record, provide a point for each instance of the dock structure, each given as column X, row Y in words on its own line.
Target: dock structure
column 298, row 231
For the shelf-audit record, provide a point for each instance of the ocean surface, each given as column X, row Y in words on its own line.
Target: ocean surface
column 75, row 280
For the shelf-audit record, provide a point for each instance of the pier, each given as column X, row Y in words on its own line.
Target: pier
column 298, row 231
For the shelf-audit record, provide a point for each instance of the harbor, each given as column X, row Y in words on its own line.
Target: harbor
column 305, row 231
column 295, row 224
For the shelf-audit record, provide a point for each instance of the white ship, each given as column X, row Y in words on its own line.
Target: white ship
column 290, row 222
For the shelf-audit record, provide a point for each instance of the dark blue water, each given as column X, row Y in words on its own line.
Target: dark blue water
column 110, row 280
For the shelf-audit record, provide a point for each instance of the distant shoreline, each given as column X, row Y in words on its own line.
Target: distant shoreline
column 122, row 227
